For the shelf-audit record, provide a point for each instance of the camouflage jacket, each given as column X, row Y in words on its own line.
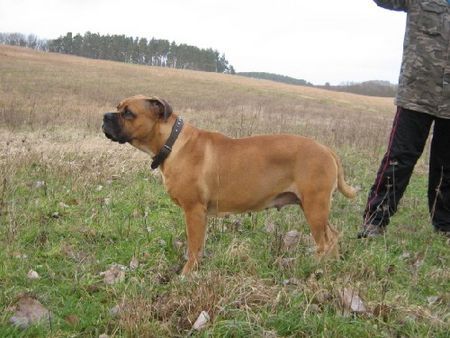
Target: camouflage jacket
column 424, row 83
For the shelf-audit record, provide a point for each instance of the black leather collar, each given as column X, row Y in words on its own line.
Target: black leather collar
column 167, row 147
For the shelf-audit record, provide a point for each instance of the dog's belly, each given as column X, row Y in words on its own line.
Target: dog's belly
column 224, row 208
column 283, row 199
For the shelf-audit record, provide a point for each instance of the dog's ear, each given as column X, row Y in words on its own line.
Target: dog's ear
column 164, row 109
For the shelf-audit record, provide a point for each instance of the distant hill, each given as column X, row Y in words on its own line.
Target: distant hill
column 370, row 88
column 276, row 78
column 260, row 105
column 163, row 53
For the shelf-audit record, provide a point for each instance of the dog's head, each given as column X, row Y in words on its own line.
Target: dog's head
column 135, row 119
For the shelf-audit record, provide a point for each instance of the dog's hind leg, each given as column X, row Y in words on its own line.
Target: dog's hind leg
column 195, row 229
column 316, row 206
column 333, row 234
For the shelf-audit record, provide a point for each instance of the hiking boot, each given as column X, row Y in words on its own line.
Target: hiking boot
column 371, row 230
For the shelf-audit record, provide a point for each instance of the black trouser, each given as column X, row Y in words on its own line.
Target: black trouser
column 408, row 136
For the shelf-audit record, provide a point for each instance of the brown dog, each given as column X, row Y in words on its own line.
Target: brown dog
column 207, row 173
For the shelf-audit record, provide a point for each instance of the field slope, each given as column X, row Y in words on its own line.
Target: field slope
column 74, row 205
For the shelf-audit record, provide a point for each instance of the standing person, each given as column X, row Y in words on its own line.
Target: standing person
column 423, row 100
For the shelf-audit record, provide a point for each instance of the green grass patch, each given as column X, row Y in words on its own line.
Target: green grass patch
column 69, row 229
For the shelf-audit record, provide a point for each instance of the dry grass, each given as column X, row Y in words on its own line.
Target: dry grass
column 179, row 307
column 43, row 90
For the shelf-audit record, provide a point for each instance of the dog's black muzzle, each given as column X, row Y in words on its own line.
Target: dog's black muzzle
column 112, row 129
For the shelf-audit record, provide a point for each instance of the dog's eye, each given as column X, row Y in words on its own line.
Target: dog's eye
column 127, row 115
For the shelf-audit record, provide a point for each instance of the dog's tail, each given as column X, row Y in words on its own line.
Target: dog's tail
column 346, row 190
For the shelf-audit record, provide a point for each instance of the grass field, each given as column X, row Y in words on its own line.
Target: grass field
column 73, row 204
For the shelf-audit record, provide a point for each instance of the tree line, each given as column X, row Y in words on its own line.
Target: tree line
column 22, row 40
column 152, row 52
column 370, row 88
column 276, row 78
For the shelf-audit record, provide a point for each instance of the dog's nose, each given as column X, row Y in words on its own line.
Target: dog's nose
column 108, row 116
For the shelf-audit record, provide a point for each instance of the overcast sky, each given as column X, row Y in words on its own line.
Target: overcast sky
column 319, row 41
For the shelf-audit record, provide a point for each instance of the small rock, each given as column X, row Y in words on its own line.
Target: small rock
column 115, row 274
column 32, row 275
column 39, row 184
column 291, row 239
column 63, row 205
column 351, row 301
column 178, row 244
column 134, row 263
column 28, row 311
column 433, row 300
column 115, row 310
column 201, row 321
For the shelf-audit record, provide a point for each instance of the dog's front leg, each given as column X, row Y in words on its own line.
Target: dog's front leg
column 195, row 229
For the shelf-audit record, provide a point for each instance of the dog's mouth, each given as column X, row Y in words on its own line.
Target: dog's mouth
column 112, row 129
column 108, row 135
column 111, row 135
